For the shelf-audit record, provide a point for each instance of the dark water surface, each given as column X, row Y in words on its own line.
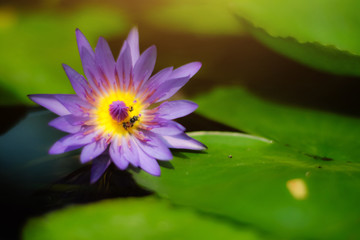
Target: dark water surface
column 33, row 183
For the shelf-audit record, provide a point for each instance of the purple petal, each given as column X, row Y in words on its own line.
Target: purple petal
column 72, row 142
column 75, row 120
column 83, row 43
column 187, row 70
column 123, row 66
column 63, row 124
column 155, row 147
column 59, row 147
column 105, row 59
column 176, row 109
column 50, row 102
column 92, row 71
column 149, row 164
column 144, row 66
column 183, row 141
column 81, row 138
column 99, row 166
column 78, row 82
column 167, row 89
column 133, row 41
column 168, row 128
column 130, row 150
column 74, row 104
column 116, row 156
column 156, row 80
column 93, row 150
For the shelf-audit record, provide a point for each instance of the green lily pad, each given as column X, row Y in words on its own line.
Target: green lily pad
column 262, row 183
column 130, row 218
column 33, row 46
column 321, row 134
column 210, row 17
column 317, row 33
column 330, row 23
column 325, row 58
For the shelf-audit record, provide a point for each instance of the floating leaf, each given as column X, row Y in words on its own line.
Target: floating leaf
column 318, row 33
column 321, row 134
column 326, row 58
column 33, row 46
column 330, row 23
column 262, row 183
column 144, row 218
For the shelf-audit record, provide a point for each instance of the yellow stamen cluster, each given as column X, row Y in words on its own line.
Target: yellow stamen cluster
column 107, row 124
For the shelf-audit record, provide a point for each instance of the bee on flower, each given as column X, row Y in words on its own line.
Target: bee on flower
column 112, row 116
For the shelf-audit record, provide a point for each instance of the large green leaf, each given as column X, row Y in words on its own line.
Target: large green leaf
column 316, row 133
column 326, row 58
column 262, row 183
column 130, row 218
column 328, row 22
column 306, row 30
column 33, row 46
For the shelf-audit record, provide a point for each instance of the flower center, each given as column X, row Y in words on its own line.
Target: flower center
column 117, row 113
column 118, row 110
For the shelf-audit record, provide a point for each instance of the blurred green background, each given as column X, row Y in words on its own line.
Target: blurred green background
column 278, row 95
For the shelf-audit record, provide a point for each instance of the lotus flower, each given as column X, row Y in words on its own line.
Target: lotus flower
column 112, row 116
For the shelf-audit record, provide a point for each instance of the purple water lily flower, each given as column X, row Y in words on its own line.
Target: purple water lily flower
column 112, row 117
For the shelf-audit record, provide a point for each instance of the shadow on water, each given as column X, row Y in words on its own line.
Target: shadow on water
column 73, row 189
column 33, row 182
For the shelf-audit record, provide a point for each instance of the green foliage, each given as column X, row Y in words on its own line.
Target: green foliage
column 326, row 58
column 318, row 33
column 330, row 23
column 318, row 149
column 146, row 218
column 33, row 46
column 313, row 132
column 211, row 17
column 247, row 179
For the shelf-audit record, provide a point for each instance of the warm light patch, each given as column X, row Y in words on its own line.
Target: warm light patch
column 7, row 17
column 297, row 188
column 105, row 120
